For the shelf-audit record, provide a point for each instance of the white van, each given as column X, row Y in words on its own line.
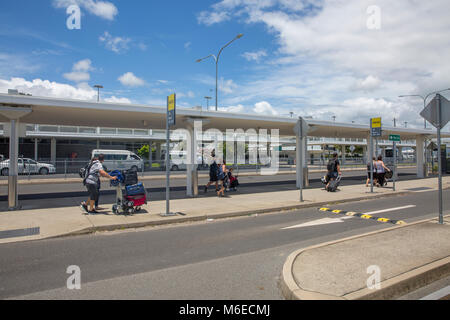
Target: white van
column 120, row 160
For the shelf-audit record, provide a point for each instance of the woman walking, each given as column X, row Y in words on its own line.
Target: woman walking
column 381, row 172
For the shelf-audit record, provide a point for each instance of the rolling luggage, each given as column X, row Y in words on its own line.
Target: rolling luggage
column 334, row 184
column 130, row 177
column 134, row 190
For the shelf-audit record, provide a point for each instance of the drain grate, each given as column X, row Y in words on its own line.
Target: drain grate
column 419, row 189
column 19, row 233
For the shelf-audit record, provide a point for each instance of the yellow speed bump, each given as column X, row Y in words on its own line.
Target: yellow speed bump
column 366, row 216
column 324, row 209
column 382, row 220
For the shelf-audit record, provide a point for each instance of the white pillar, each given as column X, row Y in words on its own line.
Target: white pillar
column 13, row 165
column 53, row 151
column 343, row 153
column 36, row 146
column 191, row 167
column 300, row 160
column 420, row 156
column 369, row 156
column 158, row 152
column 13, row 114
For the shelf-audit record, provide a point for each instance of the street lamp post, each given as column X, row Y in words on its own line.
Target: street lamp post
column 98, row 91
column 207, row 102
column 216, row 59
column 424, row 100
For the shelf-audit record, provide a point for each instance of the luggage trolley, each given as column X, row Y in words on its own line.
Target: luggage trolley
column 131, row 199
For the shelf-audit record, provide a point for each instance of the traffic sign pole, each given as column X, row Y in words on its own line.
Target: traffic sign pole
column 170, row 121
column 438, row 117
column 394, row 169
column 441, row 218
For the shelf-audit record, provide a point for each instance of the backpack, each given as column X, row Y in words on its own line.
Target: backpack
column 220, row 173
column 213, row 169
column 84, row 172
column 331, row 166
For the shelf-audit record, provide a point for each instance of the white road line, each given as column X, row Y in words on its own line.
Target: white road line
column 318, row 222
column 391, row 209
column 438, row 294
column 338, row 220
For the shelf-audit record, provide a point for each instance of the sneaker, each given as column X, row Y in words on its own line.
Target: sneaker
column 84, row 208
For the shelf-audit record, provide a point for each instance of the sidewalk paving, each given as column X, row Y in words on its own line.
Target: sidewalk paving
column 408, row 257
column 56, row 222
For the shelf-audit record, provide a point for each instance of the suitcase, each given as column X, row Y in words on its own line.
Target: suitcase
column 138, row 200
column 334, row 184
column 134, row 190
column 130, row 177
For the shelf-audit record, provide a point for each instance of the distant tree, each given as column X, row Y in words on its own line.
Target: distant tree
column 144, row 152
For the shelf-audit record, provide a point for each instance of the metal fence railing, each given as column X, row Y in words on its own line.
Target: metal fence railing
column 28, row 168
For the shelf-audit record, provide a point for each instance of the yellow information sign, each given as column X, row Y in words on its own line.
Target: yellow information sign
column 376, row 122
column 171, row 109
column 171, row 102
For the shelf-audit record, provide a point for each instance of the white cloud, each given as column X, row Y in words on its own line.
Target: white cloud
column 210, row 18
column 83, row 65
column 233, row 109
column 130, row 80
column 80, row 71
column 227, row 86
column 254, row 56
column 46, row 88
column 77, row 76
column 368, row 84
column 115, row 44
column 264, row 107
column 14, row 64
column 327, row 56
column 103, row 9
column 114, row 99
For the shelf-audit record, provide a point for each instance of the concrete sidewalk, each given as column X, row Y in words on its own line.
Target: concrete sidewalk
column 407, row 257
column 55, row 222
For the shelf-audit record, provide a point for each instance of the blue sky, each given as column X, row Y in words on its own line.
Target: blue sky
column 312, row 57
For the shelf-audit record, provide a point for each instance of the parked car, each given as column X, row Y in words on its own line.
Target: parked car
column 28, row 166
column 120, row 160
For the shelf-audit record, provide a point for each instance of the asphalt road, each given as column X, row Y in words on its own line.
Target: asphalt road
column 239, row 258
column 71, row 194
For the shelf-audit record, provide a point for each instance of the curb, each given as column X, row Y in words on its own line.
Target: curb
column 390, row 288
column 177, row 220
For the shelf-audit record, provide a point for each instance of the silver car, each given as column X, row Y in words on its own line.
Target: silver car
column 28, row 166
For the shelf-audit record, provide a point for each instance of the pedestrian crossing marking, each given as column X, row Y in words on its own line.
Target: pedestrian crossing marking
column 363, row 216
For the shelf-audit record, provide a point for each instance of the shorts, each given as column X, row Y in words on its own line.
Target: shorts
column 93, row 191
column 213, row 178
column 331, row 175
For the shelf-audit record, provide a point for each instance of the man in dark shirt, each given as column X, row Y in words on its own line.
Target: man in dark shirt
column 333, row 168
